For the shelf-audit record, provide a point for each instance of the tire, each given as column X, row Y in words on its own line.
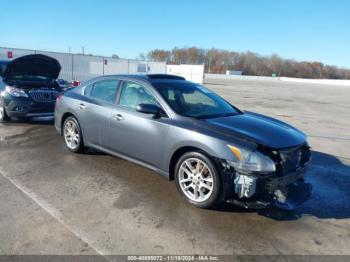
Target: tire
column 73, row 136
column 202, row 186
column 3, row 114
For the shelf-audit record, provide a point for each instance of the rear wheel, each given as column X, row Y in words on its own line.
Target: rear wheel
column 3, row 114
column 198, row 180
column 72, row 135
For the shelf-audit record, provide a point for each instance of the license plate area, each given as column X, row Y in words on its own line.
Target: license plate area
column 274, row 183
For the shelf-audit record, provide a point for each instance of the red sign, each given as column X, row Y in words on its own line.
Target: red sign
column 9, row 54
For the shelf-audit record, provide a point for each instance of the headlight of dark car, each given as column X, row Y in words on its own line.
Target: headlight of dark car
column 251, row 161
column 16, row 92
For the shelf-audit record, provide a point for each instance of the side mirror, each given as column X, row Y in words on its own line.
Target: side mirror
column 150, row 109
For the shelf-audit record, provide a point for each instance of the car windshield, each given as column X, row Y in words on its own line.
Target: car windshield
column 192, row 100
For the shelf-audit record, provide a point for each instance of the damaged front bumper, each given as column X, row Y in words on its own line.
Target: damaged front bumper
column 284, row 188
column 263, row 191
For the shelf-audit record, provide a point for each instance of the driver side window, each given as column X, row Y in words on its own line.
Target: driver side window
column 134, row 94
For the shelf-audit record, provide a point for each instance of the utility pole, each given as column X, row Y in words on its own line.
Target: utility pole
column 69, row 49
column 83, row 50
column 209, row 64
column 72, row 56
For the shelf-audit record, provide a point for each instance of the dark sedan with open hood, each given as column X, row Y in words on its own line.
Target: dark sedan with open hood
column 28, row 87
column 213, row 150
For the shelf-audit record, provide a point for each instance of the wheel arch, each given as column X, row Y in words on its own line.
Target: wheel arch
column 63, row 119
column 68, row 114
column 181, row 151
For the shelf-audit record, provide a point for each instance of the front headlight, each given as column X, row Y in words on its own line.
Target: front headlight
column 251, row 161
column 14, row 91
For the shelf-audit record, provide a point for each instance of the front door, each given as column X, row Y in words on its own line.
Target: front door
column 134, row 134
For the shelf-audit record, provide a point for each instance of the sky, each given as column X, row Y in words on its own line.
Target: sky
column 305, row 30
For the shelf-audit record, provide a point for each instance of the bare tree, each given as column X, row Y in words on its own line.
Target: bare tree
column 218, row 61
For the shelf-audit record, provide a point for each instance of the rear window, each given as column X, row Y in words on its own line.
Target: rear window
column 87, row 90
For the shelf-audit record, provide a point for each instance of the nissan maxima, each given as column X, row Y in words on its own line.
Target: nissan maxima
column 28, row 87
column 214, row 151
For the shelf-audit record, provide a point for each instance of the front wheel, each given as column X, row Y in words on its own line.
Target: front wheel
column 3, row 114
column 72, row 135
column 198, row 180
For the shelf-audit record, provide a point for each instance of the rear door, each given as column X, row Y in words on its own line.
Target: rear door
column 95, row 111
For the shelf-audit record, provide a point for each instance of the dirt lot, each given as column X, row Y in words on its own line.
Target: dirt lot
column 55, row 202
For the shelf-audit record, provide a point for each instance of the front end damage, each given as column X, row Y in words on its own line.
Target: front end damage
column 285, row 188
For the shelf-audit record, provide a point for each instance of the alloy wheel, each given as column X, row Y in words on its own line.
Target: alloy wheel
column 196, row 180
column 71, row 134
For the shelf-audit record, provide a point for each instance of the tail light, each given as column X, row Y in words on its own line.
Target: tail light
column 58, row 99
column 75, row 83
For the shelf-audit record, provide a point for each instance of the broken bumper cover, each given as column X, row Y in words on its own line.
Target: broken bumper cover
column 273, row 183
column 286, row 192
column 297, row 193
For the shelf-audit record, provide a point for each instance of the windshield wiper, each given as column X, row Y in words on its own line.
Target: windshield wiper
column 228, row 114
column 200, row 117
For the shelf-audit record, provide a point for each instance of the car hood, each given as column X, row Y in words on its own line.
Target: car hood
column 258, row 128
column 33, row 65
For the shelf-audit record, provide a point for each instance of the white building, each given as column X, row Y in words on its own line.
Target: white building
column 193, row 73
column 83, row 67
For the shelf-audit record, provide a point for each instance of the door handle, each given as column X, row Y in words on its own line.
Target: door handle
column 81, row 106
column 118, row 117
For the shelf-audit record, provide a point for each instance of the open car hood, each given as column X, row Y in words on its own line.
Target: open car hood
column 33, row 65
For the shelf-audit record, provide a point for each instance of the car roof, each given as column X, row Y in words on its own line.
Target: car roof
column 151, row 78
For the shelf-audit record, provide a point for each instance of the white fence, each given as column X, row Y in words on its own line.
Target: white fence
column 239, row 77
column 285, row 79
column 317, row 81
column 83, row 67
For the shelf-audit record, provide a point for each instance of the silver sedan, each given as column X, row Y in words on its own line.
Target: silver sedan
column 214, row 151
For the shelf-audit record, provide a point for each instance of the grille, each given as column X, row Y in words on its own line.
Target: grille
column 43, row 95
column 293, row 159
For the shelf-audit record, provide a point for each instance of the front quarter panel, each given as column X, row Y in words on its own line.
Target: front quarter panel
column 187, row 134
